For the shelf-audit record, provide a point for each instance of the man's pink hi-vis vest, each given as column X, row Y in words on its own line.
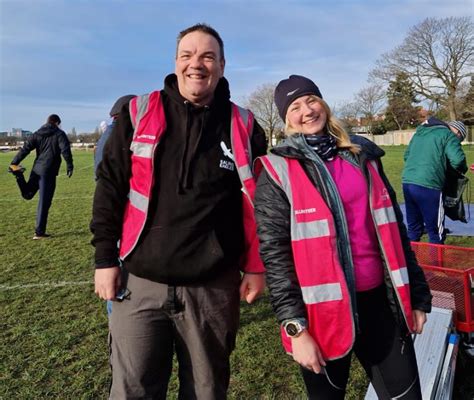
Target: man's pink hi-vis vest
column 320, row 274
column 148, row 119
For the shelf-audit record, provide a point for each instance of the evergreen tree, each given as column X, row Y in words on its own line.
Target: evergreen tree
column 468, row 102
column 400, row 112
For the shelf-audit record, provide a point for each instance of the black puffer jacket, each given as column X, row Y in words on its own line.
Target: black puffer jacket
column 272, row 210
column 49, row 142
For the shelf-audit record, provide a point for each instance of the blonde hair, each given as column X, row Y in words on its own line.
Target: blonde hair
column 333, row 127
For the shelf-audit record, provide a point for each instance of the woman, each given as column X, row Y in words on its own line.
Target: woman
column 340, row 270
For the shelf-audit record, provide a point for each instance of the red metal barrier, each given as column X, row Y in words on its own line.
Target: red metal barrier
column 449, row 271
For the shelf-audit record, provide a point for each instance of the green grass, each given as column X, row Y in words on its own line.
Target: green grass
column 54, row 329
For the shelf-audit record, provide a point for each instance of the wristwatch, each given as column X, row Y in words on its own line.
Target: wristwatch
column 294, row 327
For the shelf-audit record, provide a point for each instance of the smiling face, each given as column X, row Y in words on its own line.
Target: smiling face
column 199, row 67
column 307, row 115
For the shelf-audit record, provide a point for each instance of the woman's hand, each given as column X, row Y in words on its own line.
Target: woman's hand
column 419, row 319
column 306, row 352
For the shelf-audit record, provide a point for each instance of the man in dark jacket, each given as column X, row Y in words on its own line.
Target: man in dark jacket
column 114, row 113
column 49, row 142
column 184, row 281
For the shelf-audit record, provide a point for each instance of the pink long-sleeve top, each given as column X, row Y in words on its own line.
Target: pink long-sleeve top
column 354, row 193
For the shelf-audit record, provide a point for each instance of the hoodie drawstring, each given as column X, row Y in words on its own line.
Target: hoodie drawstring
column 185, row 180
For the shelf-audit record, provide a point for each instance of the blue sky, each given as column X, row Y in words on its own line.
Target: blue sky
column 75, row 57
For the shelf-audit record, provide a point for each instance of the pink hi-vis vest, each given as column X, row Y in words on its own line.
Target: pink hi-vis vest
column 319, row 271
column 148, row 119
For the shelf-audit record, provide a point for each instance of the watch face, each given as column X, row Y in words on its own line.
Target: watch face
column 291, row 329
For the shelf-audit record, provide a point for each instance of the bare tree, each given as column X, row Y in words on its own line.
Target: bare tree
column 347, row 112
column 261, row 103
column 437, row 55
column 369, row 102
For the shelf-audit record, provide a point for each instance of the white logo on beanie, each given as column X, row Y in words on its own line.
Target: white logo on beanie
column 292, row 92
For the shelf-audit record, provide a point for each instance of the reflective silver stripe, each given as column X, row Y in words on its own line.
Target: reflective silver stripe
column 320, row 293
column 281, row 168
column 384, row 216
column 374, row 164
column 138, row 200
column 132, row 118
column 245, row 172
column 309, row 230
column 400, row 277
column 144, row 150
column 244, row 114
column 142, row 105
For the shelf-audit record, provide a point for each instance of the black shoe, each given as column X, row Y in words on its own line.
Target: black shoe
column 43, row 236
column 16, row 169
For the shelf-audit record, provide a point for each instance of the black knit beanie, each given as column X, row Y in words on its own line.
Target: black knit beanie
column 290, row 89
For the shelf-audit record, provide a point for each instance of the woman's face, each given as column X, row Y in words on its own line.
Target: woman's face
column 307, row 115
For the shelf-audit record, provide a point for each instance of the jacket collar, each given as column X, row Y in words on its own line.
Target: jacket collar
column 295, row 146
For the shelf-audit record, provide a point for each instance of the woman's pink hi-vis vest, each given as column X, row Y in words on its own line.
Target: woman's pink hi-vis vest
column 320, row 274
column 148, row 119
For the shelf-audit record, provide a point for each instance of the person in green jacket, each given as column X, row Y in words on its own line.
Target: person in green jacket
column 435, row 146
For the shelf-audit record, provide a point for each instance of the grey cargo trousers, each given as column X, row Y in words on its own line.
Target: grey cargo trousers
column 198, row 322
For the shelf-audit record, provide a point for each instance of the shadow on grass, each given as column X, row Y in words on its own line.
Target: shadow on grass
column 257, row 312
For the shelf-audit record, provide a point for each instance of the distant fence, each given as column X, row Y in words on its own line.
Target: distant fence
column 397, row 138
column 391, row 138
column 80, row 146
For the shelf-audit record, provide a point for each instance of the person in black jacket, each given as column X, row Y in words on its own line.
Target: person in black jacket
column 328, row 221
column 114, row 113
column 184, row 283
column 49, row 142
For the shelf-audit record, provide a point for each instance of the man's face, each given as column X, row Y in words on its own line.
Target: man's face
column 198, row 67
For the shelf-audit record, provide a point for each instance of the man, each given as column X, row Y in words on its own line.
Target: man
column 175, row 185
column 432, row 150
column 49, row 142
column 114, row 112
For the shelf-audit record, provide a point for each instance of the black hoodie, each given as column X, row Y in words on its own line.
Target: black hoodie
column 194, row 226
column 50, row 142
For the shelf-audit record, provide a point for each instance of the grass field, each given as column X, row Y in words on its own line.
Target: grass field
column 54, row 330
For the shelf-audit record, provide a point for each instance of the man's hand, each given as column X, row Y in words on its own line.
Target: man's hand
column 419, row 319
column 69, row 172
column 107, row 282
column 306, row 352
column 251, row 287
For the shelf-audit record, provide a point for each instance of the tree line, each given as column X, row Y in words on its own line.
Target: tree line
column 433, row 68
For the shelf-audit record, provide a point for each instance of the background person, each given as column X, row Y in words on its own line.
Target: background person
column 175, row 185
column 340, row 271
column 114, row 113
column 49, row 142
column 432, row 150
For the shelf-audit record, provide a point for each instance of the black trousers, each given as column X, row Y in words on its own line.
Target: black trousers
column 46, row 184
column 386, row 354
